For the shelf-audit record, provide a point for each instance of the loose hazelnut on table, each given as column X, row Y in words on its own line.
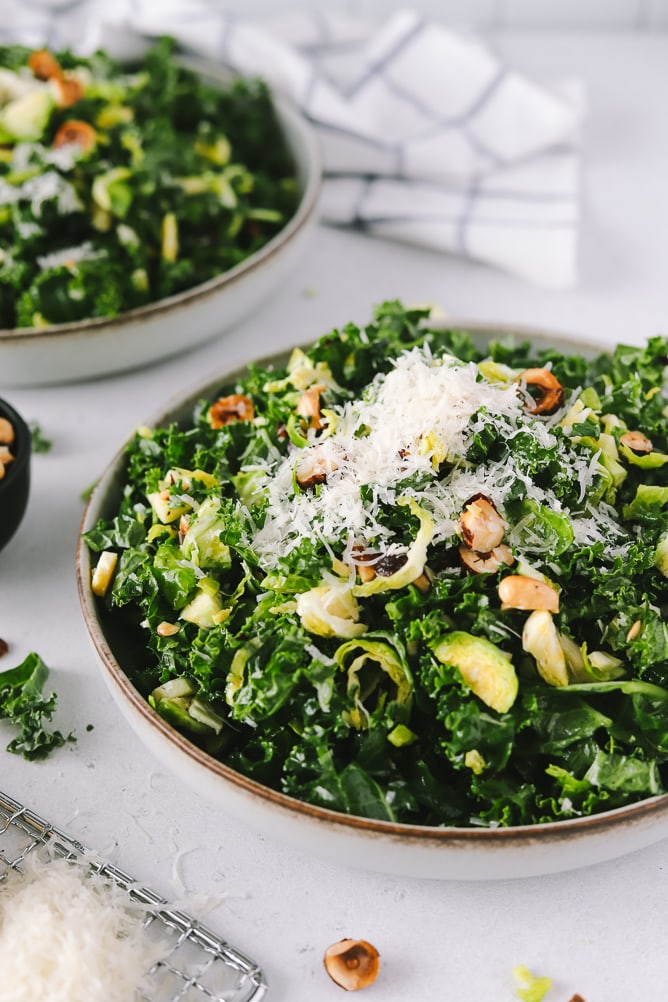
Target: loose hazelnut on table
column 352, row 963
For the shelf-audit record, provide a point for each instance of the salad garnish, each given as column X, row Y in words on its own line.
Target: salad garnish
column 406, row 577
column 23, row 703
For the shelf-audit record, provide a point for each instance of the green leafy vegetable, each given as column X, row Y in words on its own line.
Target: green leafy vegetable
column 40, row 443
column 23, row 703
column 119, row 186
column 382, row 578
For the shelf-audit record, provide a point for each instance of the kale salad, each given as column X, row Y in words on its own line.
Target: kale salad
column 121, row 187
column 406, row 578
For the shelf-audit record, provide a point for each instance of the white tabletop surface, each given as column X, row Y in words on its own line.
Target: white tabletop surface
column 599, row 931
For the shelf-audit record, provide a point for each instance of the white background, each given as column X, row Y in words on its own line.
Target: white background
column 587, row 15
column 601, row 932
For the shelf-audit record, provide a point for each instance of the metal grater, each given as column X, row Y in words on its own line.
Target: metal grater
column 197, row 966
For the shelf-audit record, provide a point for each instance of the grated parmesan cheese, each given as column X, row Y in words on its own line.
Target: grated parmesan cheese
column 425, row 411
column 412, row 418
column 67, row 936
column 69, row 256
column 48, row 186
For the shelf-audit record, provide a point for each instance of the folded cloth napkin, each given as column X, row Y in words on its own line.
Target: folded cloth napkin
column 427, row 136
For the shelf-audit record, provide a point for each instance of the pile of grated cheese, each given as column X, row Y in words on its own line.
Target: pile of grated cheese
column 69, row 936
column 424, row 411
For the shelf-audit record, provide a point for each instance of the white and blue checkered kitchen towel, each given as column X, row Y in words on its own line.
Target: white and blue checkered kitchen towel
column 428, row 137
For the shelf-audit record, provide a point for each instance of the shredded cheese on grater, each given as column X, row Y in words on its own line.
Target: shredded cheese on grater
column 68, row 937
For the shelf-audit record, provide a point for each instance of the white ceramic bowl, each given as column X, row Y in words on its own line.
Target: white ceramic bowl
column 61, row 353
column 418, row 851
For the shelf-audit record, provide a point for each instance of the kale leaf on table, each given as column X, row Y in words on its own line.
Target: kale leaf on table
column 24, row 704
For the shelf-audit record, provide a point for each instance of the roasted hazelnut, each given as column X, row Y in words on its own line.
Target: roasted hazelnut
column 546, row 391
column 352, row 964
column 481, row 525
column 314, row 465
column 75, row 133
column 227, row 410
column 166, row 629
column 69, row 90
column 422, row 582
column 44, row 65
column 486, row 563
column 308, row 406
column 517, row 591
column 636, row 441
column 364, row 561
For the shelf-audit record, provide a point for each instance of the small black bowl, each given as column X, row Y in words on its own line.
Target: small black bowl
column 15, row 485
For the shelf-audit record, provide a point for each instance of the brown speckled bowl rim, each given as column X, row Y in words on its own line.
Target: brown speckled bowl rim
column 569, row 829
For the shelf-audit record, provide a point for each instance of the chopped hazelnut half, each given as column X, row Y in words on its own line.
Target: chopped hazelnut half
column 314, row 466
column 69, row 90
column 308, row 405
column 481, row 525
column 166, row 629
column 548, row 393
column 364, row 560
column 486, row 563
column 422, row 582
column 636, row 441
column 352, row 963
column 44, row 65
column 227, row 410
column 517, row 591
column 75, row 133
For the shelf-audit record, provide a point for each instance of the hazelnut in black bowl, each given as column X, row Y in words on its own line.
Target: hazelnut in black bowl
column 15, row 448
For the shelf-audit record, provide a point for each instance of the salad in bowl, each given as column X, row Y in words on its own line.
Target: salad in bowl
column 407, row 577
column 144, row 207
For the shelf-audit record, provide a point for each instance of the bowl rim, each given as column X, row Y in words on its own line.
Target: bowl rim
column 309, row 146
column 640, row 812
